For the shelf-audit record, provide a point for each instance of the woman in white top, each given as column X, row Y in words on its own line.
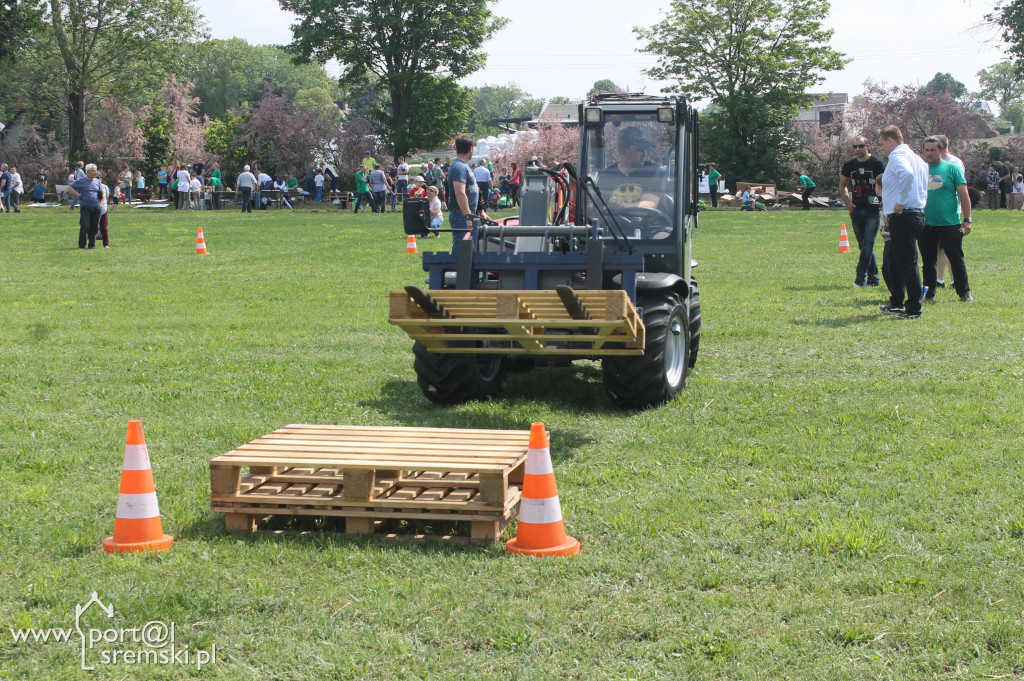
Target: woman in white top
column 184, row 180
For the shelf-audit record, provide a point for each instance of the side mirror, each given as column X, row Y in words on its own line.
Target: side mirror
column 416, row 217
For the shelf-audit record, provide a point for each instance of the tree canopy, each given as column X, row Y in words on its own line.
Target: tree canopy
column 945, row 82
column 755, row 61
column 417, row 48
column 1001, row 83
column 492, row 103
column 1009, row 16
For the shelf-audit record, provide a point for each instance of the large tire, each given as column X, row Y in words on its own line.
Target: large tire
column 450, row 378
column 638, row 382
column 694, row 322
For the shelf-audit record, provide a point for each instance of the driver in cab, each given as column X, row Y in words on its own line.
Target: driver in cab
column 633, row 179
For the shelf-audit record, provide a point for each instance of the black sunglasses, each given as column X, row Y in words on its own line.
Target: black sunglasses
column 860, row 146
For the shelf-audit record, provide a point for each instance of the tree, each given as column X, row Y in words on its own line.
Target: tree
column 824, row 150
column 227, row 73
column 109, row 46
column 19, row 19
column 187, row 144
column 1001, row 83
column 560, row 99
column 1009, row 16
column 604, row 85
column 156, row 140
column 492, row 103
column 1013, row 113
column 754, row 60
column 417, row 48
column 945, row 82
column 115, row 137
column 550, row 140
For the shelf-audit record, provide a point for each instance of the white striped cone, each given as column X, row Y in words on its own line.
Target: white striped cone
column 541, row 527
column 137, row 525
column 201, row 243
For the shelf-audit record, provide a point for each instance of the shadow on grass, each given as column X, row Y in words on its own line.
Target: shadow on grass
column 837, row 322
column 323, row 532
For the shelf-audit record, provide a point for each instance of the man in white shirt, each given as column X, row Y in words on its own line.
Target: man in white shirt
column 402, row 186
column 17, row 189
column 246, row 183
column 483, row 181
column 904, row 195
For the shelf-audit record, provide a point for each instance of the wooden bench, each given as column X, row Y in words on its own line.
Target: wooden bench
column 368, row 475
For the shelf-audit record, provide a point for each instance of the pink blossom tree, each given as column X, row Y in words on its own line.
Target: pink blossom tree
column 187, row 138
column 553, row 142
column 33, row 152
column 114, row 138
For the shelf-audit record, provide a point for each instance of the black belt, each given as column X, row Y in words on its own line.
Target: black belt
column 912, row 210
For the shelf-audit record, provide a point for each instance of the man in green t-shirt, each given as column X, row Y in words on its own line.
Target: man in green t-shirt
column 806, row 186
column 362, row 190
column 713, row 177
column 943, row 225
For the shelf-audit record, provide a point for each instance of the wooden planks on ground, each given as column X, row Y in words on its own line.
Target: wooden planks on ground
column 370, row 474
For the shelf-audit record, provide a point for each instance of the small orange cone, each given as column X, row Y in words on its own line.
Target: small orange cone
column 844, row 240
column 137, row 526
column 410, row 245
column 201, row 243
column 541, row 528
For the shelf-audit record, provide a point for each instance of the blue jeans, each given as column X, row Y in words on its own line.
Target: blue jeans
column 379, row 198
column 865, row 228
column 457, row 220
column 319, row 194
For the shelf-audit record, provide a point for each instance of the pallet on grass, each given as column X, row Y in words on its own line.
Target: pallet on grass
column 368, row 474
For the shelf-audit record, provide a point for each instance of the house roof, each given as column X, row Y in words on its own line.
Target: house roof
column 831, row 98
column 568, row 113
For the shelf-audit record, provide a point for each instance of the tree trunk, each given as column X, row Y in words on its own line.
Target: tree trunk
column 76, row 125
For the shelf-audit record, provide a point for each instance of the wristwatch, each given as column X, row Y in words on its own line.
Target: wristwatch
column 969, row 220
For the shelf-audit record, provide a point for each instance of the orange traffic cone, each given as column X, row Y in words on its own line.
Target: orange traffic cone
column 137, row 526
column 410, row 245
column 844, row 240
column 541, row 528
column 201, row 243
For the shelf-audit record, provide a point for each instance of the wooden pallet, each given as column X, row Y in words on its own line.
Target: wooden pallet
column 522, row 322
column 367, row 474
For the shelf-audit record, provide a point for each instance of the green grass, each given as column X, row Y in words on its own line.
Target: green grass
column 835, row 495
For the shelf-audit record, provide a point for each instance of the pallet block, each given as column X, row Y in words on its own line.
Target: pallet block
column 369, row 474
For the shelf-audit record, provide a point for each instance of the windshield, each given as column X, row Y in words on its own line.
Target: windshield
column 631, row 158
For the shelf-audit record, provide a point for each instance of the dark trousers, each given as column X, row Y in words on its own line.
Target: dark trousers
column 104, row 231
column 88, row 225
column 363, row 199
column 865, row 228
column 903, row 279
column 485, row 192
column 515, row 194
column 806, row 196
column 379, row 201
column 713, row 190
column 16, row 202
column 951, row 239
column 246, row 199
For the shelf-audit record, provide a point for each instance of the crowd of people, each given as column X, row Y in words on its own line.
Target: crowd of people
column 380, row 187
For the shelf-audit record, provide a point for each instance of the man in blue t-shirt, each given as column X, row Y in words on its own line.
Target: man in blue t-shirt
column 463, row 192
column 90, row 191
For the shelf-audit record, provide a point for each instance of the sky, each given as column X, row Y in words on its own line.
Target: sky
column 562, row 48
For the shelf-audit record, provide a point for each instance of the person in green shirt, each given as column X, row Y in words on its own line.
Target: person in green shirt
column 362, row 190
column 713, row 177
column 217, row 182
column 943, row 225
column 807, row 185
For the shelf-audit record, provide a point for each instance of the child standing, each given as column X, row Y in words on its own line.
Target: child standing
column 104, row 230
column 194, row 187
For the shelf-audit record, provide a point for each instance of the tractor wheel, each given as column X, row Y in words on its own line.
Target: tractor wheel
column 450, row 378
column 694, row 321
column 659, row 374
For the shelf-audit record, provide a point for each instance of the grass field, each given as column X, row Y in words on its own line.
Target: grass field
column 835, row 495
